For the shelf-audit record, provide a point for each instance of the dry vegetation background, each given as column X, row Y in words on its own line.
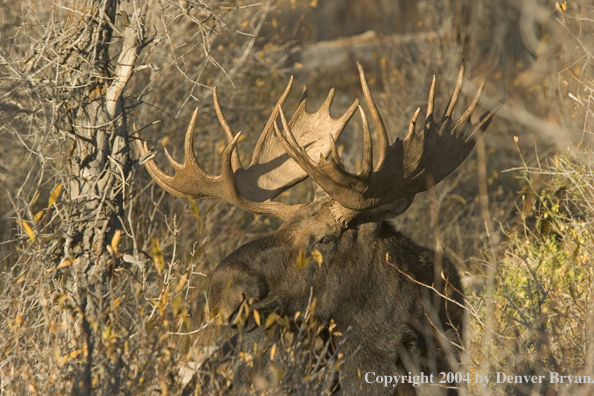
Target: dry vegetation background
column 103, row 274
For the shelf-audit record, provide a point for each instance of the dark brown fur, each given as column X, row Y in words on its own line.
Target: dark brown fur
column 398, row 323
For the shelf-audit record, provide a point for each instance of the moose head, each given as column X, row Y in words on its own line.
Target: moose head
column 402, row 303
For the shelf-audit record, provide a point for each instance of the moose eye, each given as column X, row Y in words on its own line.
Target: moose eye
column 326, row 240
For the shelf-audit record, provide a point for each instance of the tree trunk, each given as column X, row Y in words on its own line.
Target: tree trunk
column 98, row 171
column 99, row 160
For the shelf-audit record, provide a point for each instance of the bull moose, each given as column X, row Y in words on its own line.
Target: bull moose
column 402, row 303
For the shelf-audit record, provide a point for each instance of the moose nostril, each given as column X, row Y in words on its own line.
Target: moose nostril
column 224, row 311
column 232, row 318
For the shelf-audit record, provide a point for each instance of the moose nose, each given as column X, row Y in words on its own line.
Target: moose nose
column 226, row 310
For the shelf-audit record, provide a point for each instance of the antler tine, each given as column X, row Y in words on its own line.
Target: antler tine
column 227, row 166
column 189, row 154
column 346, row 117
column 487, row 117
column 328, row 101
column 169, row 183
column 291, row 145
column 267, row 128
column 412, row 125
column 156, row 173
column 367, row 166
column 383, row 140
column 322, row 115
column 228, row 178
column 431, row 99
column 176, row 165
column 457, row 89
column 473, row 105
column 235, row 161
column 335, row 154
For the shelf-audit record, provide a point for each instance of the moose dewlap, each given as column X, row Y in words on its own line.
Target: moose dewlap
column 401, row 303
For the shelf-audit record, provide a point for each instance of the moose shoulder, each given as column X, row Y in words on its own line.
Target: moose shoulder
column 402, row 303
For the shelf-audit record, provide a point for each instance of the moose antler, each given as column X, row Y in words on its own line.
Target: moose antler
column 404, row 168
column 271, row 170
